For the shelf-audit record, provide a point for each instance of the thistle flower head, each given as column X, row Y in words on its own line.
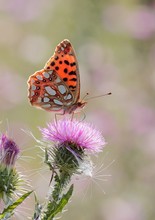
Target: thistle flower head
column 8, row 151
column 72, row 140
column 81, row 134
column 9, row 178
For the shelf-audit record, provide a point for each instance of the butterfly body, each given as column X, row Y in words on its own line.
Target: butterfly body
column 57, row 86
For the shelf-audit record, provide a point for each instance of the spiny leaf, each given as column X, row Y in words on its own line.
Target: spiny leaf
column 10, row 208
column 64, row 200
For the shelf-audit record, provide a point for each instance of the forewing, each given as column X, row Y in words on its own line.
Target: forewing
column 65, row 64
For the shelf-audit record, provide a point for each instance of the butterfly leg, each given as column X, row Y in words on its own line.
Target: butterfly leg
column 84, row 116
column 72, row 116
column 55, row 116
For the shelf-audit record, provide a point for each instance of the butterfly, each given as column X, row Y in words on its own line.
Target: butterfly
column 57, row 86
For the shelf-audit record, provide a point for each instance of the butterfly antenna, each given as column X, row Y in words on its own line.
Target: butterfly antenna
column 85, row 96
column 98, row 96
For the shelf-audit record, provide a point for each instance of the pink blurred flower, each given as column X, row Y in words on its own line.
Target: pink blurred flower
column 11, row 93
column 141, row 23
column 123, row 209
column 24, row 11
column 82, row 134
column 143, row 120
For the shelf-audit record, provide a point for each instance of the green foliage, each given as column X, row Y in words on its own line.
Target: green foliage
column 63, row 164
column 9, row 181
column 65, row 157
column 8, row 212
column 54, row 207
column 61, row 182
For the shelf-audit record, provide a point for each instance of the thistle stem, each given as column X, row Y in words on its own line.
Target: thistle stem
column 61, row 181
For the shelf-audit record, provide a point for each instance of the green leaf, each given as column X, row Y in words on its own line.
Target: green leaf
column 9, row 210
column 64, row 200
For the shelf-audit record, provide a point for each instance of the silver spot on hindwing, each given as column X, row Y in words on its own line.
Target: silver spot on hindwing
column 50, row 72
column 32, row 93
column 33, row 87
column 61, row 89
column 67, row 97
column 50, row 90
column 68, row 103
column 46, row 75
column 57, row 80
column 56, row 101
column 46, row 106
column 46, row 99
column 39, row 77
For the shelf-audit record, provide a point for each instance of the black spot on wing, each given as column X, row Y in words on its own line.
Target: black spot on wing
column 72, row 64
column 72, row 73
column 73, row 79
column 65, row 70
column 52, row 63
column 73, row 87
column 56, row 68
column 56, row 58
column 65, row 79
column 66, row 62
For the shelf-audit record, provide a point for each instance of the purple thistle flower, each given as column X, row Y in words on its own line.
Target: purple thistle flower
column 72, row 141
column 81, row 134
column 8, row 151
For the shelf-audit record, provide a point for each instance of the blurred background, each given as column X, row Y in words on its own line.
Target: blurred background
column 115, row 46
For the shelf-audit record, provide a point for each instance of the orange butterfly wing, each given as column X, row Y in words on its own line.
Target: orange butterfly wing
column 64, row 62
column 57, row 86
